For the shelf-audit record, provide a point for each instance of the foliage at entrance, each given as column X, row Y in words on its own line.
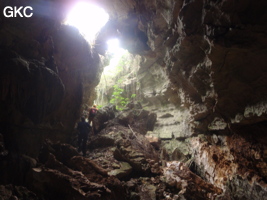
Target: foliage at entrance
column 118, row 84
column 118, row 99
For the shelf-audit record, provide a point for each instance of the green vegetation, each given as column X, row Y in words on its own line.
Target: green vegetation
column 118, row 84
column 99, row 106
column 118, row 99
column 133, row 95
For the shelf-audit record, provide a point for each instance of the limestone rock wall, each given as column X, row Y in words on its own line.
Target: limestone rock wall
column 204, row 61
column 48, row 74
column 207, row 51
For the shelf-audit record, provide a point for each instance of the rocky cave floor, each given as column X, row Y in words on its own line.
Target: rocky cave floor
column 121, row 163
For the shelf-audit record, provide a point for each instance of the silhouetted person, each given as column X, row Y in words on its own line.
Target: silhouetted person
column 92, row 114
column 84, row 129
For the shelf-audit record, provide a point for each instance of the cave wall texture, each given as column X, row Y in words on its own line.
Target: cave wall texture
column 48, row 73
column 206, row 58
column 203, row 71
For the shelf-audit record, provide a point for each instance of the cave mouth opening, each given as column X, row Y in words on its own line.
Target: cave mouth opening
column 87, row 18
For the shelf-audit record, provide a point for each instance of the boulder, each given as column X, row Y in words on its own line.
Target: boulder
column 121, row 173
column 63, row 152
column 140, row 119
column 191, row 186
column 154, row 141
column 101, row 141
column 103, row 115
column 135, row 149
column 53, row 184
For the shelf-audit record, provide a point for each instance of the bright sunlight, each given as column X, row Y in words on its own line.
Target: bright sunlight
column 113, row 45
column 117, row 52
column 88, row 18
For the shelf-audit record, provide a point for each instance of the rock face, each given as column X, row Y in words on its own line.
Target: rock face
column 179, row 176
column 203, row 52
column 204, row 75
column 48, row 73
column 202, row 71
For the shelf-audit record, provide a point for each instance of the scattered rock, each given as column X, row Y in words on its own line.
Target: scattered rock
column 101, row 141
column 123, row 172
column 191, row 186
column 140, row 119
column 154, row 141
column 103, row 115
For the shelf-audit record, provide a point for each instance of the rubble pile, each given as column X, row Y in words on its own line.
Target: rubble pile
column 121, row 163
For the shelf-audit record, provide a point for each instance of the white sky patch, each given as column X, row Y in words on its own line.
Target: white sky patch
column 117, row 52
column 88, row 18
column 113, row 45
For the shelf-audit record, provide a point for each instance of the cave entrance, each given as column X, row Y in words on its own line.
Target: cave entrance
column 88, row 18
column 118, row 81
